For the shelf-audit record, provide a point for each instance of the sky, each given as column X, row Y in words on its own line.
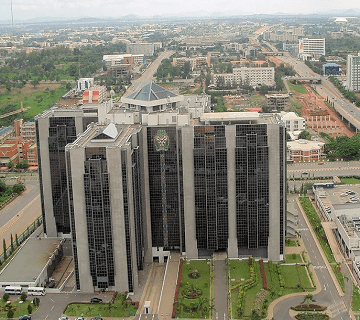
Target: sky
column 29, row 9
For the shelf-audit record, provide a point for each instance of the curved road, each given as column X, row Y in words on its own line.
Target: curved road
column 328, row 295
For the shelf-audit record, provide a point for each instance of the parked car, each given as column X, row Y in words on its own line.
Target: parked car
column 25, row 317
column 96, row 318
column 343, row 194
column 96, row 300
column 64, row 318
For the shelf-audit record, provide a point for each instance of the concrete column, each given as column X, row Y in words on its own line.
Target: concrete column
column 189, row 192
column 43, row 129
column 113, row 156
column 230, row 133
column 274, row 194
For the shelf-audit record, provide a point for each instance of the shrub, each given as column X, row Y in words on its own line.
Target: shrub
column 23, row 296
column 10, row 314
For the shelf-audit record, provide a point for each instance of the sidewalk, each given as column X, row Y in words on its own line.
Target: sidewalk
column 169, row 286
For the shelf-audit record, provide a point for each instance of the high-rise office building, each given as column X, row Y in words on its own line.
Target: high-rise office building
column 353, row 73
column 311, row 48
column 194, row 182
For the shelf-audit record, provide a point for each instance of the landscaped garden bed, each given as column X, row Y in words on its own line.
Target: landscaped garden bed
column 254, row 285
column 192, row 298
column 120, row 306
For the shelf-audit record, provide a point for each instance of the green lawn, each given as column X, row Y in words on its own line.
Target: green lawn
column 120, row 308
column 350, row 181
column 19, row 309
column 355, row 305
column 293, row 258
column 239, row 269
column 256, row 98
column 339, row 276
column 291, row 243
column 295, row 280
column 194, row 296
column 297, row 87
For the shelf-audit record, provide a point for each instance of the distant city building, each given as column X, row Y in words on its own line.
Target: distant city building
column 353, row 73
column 147, row 49
column 293, row 48
column 195, row 63
column 252, row 76
column 292, row 121
column 331, row 68
column 111, row 60
column 305, row 150
column 25, row 130
column 95, row 94
column 277, row 101
column 84, row 83
column 310, row 48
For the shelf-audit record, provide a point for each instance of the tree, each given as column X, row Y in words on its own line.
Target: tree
column 29, row 307
column 11, row 242
column 16, row 240
column 10, row 314
column 5, row 297
column 305, row 135
column 35, row 82
column 10, row 164
column 4, row 248
column 23, row 296
column 18, row 188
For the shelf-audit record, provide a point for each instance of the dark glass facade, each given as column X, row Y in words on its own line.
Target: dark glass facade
column 62, row 131
column 139, row 231
column 165, row 176
column 211, row 187
column 98, row 217
column 252, row 186
column 40, row 174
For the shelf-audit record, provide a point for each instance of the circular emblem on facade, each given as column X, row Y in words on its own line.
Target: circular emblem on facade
column 161, row 140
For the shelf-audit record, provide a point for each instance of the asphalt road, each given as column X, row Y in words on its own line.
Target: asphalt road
column 148, row 74
column 329, row 295
column 313, row 169
column 21, row 212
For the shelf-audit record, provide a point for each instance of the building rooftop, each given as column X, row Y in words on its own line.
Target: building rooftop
column 37, row 251
column 151, row 92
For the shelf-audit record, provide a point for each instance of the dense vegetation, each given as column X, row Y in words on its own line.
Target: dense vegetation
column 280, row 72
column 347, row 43
column 167, row 71
column 54, row 64
column 343, row 147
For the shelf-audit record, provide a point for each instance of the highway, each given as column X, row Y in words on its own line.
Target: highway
column 148, row 74
column 346, row 109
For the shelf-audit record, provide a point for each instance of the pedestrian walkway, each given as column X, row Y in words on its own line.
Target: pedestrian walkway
column 152, row 288
column 169, row 287
column 220, row 283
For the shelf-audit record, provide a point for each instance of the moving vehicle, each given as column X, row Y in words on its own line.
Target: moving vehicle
column 36, row 291
column 13, row 290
